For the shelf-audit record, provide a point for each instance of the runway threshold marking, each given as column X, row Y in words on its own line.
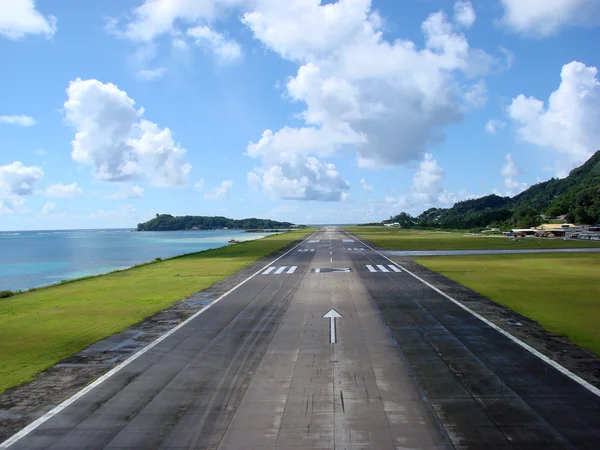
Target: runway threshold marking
column 380, row 268
column 576, row 378
column 332, row 315
column 280, row 270
column 57, row 409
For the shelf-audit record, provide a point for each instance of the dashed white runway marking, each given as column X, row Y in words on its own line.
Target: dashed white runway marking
column 314, row 241
column 280, row 270
column 347, row 240
column 306, row 250
column 380, row 268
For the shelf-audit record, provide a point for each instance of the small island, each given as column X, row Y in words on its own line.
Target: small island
column 167, row 222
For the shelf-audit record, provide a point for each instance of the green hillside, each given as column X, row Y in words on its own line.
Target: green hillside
column 576, row 196
column 167, row 222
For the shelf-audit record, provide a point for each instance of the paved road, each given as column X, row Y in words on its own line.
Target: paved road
column 409, row 369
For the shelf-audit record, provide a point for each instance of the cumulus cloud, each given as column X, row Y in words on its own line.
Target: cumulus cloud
column 116, row 142
column 301, row 178
column 366, row 186
column 426, row 190
column 156, row 17
column 510, row 171
column 388, row 100
column 492, row 126
column 220, row 192
column 568, row 123
column 22, row 120
column 152, row 74
column 543, row 18
column 20, row 18
column 17, row 181
column 63, row 190
column 464, row 14
column 225, row 49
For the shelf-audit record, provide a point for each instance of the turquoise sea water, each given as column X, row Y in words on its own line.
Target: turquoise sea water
column 37, row 258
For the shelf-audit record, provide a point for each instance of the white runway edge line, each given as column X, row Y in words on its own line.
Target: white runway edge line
column 593, row 389
column 33, row 425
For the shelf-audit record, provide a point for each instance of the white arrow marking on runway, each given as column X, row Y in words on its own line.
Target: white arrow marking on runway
column 332, row 315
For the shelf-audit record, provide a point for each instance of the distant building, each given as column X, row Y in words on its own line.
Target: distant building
column 395, row 224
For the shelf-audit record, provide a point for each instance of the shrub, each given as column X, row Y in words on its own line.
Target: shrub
column 6, row 294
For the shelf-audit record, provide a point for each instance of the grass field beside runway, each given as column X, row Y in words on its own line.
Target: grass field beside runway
column 559, row 290
column 398, row 239
column 39, row 328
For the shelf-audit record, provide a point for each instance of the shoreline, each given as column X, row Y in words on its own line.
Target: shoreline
column 118, row 266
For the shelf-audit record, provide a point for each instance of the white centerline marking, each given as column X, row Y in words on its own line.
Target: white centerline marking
column 593, row 389
column 292, row 269
column 382, row 268
column 268, row 271
column 371, row 268
column 281, row 269
column 36, row 423
column 394, row 267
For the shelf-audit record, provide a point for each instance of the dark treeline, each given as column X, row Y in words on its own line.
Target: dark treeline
column 577, row 197
column 167, row 222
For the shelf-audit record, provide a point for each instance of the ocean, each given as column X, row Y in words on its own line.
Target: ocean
column 38, row 258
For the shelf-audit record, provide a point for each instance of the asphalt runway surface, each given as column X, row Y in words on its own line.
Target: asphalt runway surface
column 408, row 369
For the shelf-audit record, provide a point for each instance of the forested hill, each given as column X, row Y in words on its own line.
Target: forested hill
column 167, row 222
column 576, row 196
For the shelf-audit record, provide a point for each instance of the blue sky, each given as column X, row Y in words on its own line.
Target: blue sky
column 299, row 110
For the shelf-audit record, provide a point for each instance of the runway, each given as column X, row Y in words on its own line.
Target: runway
column 402, row 368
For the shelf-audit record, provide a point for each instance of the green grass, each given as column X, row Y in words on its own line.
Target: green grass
column 39, row 328
column 559, row 290
column 398, row 239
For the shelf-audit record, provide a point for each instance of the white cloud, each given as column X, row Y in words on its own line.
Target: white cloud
column 152, row 74
column 300, row 178
column 17, row 181
column 63, row 190
column 225, row 49
column 390, row 100
column 199, row 184
column 492, row 126
column 464, row 14
column 510, row 171
column 543, row 18
column 113, row 139
column 568, row 123
column 129, row 192
column 426, row 190
column 221, row 192
column 156, row 17
column 41, row 152
column 366, row 186
column 19, row 18
column 48, row 208
column 22, row 120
